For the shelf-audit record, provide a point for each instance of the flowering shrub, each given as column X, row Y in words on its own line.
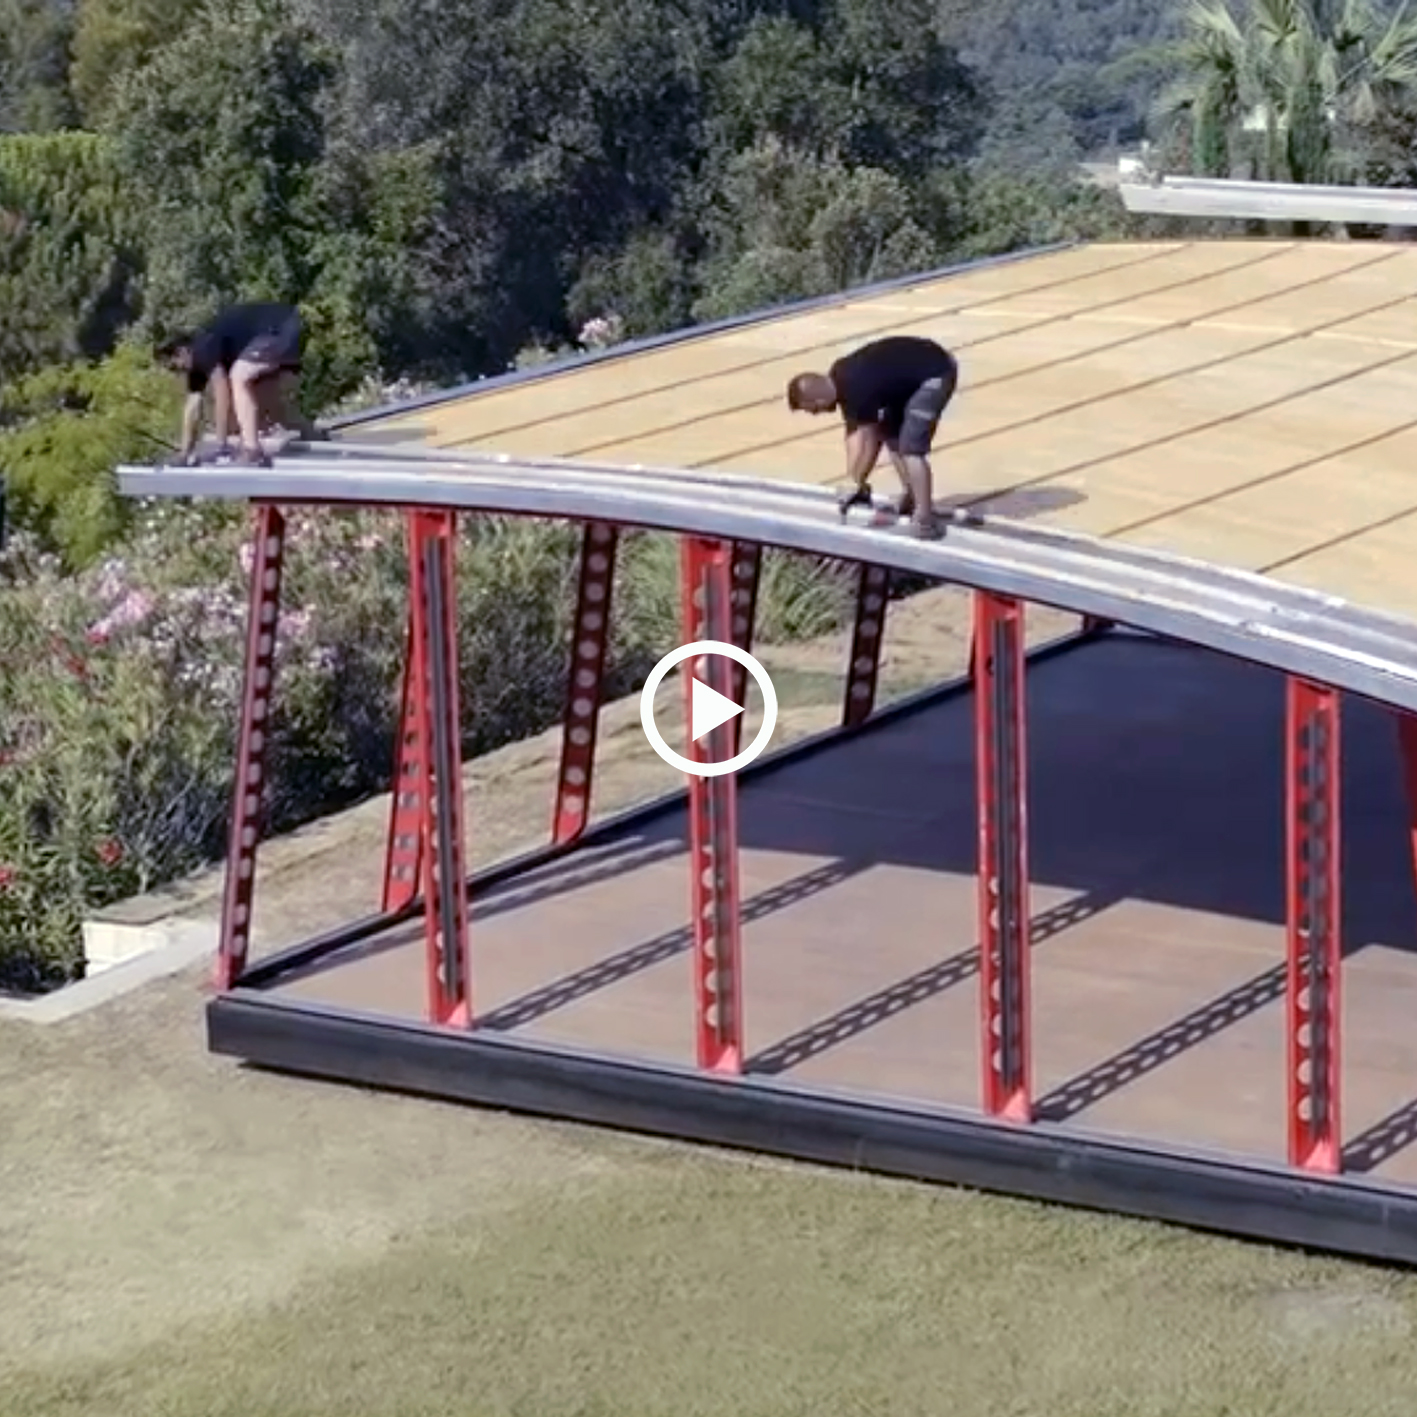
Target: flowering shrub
column 120, row 701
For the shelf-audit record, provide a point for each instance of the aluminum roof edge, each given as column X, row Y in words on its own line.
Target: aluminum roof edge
column 1085, row 581
column 649, row 343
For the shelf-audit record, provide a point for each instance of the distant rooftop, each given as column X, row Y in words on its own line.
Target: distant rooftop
column 1246, row 402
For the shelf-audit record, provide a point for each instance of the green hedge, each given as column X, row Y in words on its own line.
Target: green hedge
column 119, row 704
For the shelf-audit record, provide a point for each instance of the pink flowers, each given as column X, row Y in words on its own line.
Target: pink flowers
column 133, row 609
column 7, row 877
column 110, row 852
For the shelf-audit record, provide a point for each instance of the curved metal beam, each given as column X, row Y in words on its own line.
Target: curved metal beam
column 1215, row 197
column 1288, row 628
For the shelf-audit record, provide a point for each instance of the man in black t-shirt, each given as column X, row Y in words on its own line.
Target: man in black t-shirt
column 892, row 393
column 249, row 357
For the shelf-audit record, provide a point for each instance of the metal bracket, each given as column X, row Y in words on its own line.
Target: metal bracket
column 590, row 637
column 713, row 818
column 248, row 791
column 436, row 731
column 1004, row 915
column 867, row 636
column 1313, row 776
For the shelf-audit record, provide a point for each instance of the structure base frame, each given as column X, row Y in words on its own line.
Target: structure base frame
column 1041, row 1162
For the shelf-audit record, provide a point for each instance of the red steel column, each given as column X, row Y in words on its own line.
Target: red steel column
column 747, row 571
column 866, row 639
column 435, row 722
column 590, row 636
column 403, row 857
column 1004, row 916
column 713, row 817
column 248, row 791
column 1313, row 777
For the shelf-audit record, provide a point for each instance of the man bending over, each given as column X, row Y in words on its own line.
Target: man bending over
column 891, row 392
column 249, row 358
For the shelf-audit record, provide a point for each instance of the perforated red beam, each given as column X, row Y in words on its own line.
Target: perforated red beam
column 248, row 791
column 435, row 720
column 746, row 573
column 1001, row 765
column 403, row 857
column 590, row 637
column 1313, row 777
column 713, row 817
column 867, row 636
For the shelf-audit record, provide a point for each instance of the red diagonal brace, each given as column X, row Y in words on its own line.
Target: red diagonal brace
column 248, row 792
column 435, row 720
column 713, row 817
column 1001, row 764
column 867, row 636
column 589, row 639
column 1312, row 798
column 403, row 859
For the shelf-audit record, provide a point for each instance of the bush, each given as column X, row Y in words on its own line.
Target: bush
column 120, row 701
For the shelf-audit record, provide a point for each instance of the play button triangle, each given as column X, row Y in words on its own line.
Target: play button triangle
column 708, row 708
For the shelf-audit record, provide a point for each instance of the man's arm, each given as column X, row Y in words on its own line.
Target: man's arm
column 863, row 447
column 191, row 425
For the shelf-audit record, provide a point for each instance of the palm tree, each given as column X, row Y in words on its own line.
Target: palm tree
column 1283, row 83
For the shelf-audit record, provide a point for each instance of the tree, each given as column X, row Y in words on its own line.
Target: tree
column 64, row 430
column 34, row 60
column 69, row 249
column 114, row 38
column 1282, row 83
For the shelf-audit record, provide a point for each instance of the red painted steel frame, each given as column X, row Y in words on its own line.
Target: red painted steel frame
column 590, row 637
column 713, row 817
column 1004, row 916
column 867, row 636
column 1313, row 779
column 248, row 794
column 403, row 857
column 747, row 570
column 435, row 723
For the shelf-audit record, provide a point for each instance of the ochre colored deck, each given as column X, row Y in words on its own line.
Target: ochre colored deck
column 1250, row 403
column 1156, row 842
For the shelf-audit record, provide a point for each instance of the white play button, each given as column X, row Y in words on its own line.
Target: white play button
column 708, row 709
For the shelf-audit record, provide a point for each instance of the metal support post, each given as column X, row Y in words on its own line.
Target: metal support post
column 713, row 817
column 590, row 637
column 747, row 571
column 1313, row 777
column 403, row 857
column 1004, row 915
column 248, row 794
column 435, row 722
column 867, row 637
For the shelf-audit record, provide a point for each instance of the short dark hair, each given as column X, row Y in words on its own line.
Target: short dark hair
column 169, row 348
column 802, row 387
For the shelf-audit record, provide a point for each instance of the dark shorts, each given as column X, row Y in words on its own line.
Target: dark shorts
column 921, row 417
column 278, row 350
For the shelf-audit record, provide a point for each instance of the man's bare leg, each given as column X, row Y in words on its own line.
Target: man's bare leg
column 244, row 380
column 917, row 472
column 907, row 491
column 221, row 409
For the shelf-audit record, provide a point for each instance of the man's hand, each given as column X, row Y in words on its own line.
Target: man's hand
column 863, row 447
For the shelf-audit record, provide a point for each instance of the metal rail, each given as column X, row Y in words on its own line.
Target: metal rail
column 1269, row 201
column 1288, row 628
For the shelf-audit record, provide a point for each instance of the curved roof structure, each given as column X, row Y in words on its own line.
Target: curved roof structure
column 1211, row 440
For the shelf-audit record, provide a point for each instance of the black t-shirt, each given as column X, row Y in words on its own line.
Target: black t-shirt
column 875, row 382
column 219, row 345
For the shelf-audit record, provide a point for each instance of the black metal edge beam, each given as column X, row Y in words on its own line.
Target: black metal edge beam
column 1038, row 1162
column 497, row 382
column 265, row 973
